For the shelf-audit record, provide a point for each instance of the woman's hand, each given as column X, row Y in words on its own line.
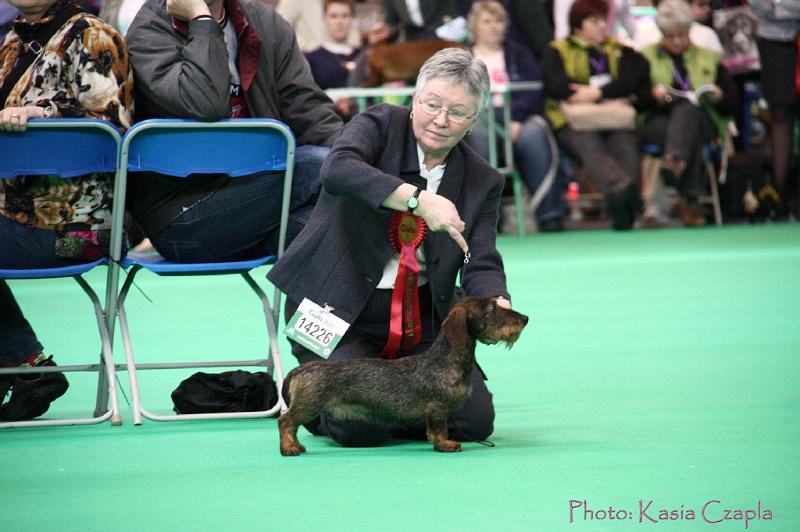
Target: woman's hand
column 440, row 214
column 16, row 118
column 715, row 95
column 584, row 94
column 660, row 93
column 187, row 10
column 514, row 129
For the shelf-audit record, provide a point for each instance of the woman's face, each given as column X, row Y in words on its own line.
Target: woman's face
column 675, row 41
column 437, row 132
column 592, row 30
column 338, row 20
column 32, row 10
column 489, row 30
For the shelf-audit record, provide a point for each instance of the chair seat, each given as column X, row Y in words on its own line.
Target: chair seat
column 49, row 273
column 159, row 265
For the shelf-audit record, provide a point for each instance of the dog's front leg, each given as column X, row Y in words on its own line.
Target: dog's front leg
column 436, row 425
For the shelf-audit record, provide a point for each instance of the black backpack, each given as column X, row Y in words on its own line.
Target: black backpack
column 231, row 391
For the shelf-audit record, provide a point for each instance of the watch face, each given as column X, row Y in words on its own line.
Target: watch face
column 412, row 203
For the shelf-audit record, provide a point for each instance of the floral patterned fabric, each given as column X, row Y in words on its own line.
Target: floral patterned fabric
column 82, row 71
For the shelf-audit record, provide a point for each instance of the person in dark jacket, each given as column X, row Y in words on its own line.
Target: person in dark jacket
column 589, row 67
column 225, row 59
column 534, row 153
column 393, row 173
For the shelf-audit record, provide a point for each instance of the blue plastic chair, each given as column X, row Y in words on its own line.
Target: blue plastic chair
column 180, row 148
column 67, row 148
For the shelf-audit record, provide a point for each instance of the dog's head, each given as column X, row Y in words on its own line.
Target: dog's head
column 484, row 321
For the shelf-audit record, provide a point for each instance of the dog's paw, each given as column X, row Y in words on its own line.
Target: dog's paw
column 292, row 450
column 447, row 446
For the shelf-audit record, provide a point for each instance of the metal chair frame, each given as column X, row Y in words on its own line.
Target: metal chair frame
column 136, row 156
column 20, row 154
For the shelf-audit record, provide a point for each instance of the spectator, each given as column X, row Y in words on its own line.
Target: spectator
column 528, row 24
column 679, row 124
column 81, row 70
column 507, row 62
column 391, row 165
column 332, row 63
column 417, row 21
column 701, row 35
column 189, row 63
column 777, row 34
column 588, row 67
column 620, row 23
column 307, row 18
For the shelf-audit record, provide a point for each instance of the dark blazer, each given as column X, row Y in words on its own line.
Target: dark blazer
column 339, row 256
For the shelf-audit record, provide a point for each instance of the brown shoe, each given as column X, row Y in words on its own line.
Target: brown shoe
column 690, row 216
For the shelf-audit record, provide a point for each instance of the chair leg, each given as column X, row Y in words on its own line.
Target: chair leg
column 136, row 405
column 712, row 182
column 106, row 380
column 519, row 202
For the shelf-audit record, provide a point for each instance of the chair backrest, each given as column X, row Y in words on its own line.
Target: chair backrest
column 66, row 147
column 233, row 147
column 179, row 148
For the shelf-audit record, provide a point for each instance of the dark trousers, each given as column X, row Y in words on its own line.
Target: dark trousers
column 241, row 220
column 472, row 421
column 682, row 131
column 610, row 157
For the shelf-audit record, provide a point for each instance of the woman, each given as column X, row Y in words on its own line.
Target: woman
column 777, row 47
column 680, row 125
column 390, row 163
column 57, row 61
column 588, row 67
column 530, row 134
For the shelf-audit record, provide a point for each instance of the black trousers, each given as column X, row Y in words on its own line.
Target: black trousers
column 472, row 421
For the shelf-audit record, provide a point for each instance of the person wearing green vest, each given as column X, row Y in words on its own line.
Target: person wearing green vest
column 589, row 67
column 694, row 95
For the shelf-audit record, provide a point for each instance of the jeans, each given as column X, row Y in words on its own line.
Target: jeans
column 241, row 220
column 21, row 247
column 533, row 156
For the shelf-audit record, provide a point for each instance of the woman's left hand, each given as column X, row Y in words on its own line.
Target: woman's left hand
column 716, row 94
column 16, row 118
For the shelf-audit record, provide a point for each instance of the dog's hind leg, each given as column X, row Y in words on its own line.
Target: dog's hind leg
column 436, row 427
column 290, row 445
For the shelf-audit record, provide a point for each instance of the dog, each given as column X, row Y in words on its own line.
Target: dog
column 414, row 389
column 401, row 61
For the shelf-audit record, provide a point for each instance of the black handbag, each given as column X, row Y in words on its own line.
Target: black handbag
column 231, row 391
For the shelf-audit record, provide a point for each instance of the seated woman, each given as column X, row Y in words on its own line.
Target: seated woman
column 81, row 70
column 680, row 125
column 588, row 67
column 530, row 134
column 403, row 170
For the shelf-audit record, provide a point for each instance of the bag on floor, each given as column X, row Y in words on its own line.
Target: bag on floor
column 231, row 391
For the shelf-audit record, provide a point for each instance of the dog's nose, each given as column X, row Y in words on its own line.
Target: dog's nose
column 524, row 319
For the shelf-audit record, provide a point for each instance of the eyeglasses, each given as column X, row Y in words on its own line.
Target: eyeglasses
column 457, row 115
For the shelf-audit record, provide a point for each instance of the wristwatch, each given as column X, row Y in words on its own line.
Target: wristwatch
column 413, row 201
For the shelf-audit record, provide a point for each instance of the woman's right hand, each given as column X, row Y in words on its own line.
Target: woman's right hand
column 660, row 94
column 440, row 214
column 187, row 9
column 16, row 118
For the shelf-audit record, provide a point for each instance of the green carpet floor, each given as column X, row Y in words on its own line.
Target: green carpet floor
column 660, row 370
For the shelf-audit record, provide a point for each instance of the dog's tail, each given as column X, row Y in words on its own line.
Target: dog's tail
column 285, row 389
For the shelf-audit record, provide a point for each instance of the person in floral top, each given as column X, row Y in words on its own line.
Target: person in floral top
column 57, row 61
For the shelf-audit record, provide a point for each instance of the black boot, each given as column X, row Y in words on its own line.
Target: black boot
column 32, row 393
column 624, row 206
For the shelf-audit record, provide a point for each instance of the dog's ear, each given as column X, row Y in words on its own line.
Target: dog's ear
column 454, row 328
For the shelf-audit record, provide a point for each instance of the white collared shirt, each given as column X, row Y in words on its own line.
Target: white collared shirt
column 415, row 12
column 433, row 178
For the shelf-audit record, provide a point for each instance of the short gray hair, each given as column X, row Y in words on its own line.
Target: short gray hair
column 674, row 15
column 457, row 66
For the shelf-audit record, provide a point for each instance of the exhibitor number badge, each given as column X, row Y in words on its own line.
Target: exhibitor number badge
column 316, row 328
